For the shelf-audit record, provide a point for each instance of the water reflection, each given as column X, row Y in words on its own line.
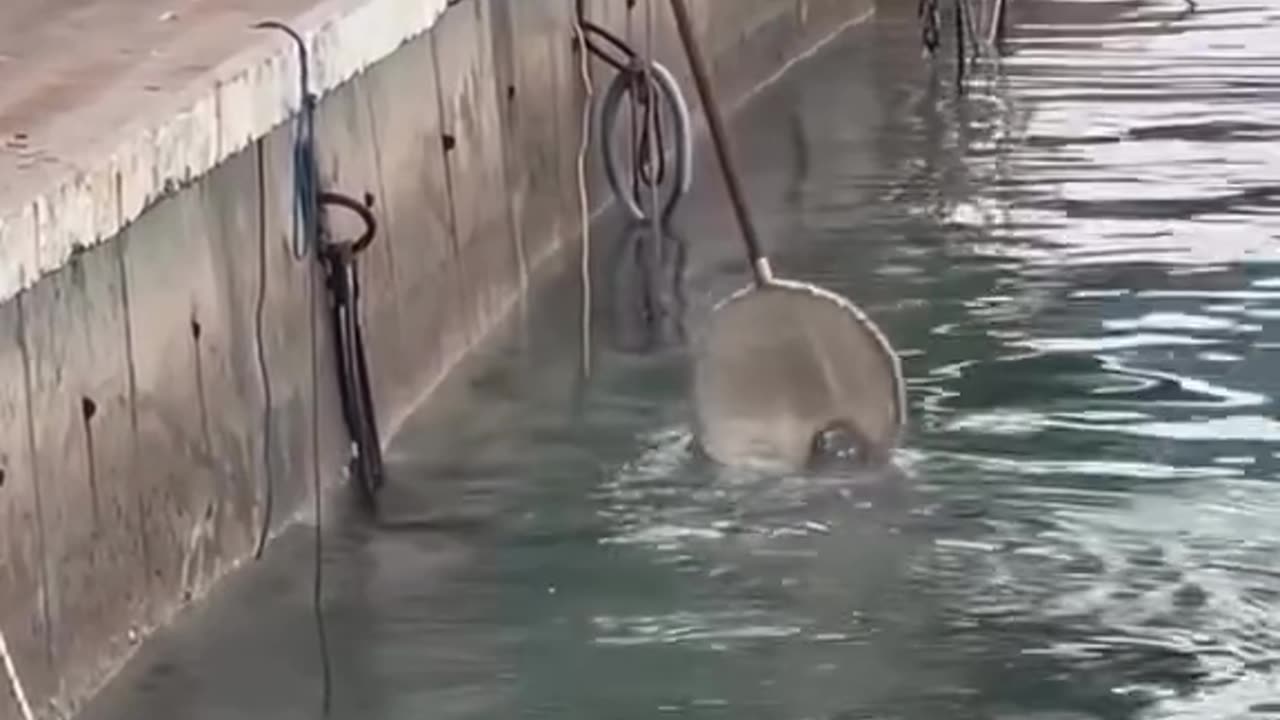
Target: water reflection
column 646, row 275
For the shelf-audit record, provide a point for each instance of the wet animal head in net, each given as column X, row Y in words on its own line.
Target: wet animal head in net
column 784, row 366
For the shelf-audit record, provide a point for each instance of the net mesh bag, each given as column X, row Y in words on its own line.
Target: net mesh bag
column 782, row 366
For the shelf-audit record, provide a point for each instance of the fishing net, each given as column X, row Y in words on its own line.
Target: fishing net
column 783, row 367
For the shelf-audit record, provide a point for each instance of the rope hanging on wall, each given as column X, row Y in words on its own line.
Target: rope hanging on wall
column 584, row 205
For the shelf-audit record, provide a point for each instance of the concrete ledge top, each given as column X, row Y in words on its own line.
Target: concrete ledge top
column 106, row 106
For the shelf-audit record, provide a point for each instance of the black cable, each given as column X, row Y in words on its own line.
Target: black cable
column 960, row 40
column 644, row 103
column 305, row 207
column 307, row 236
column 639, row 136
column 317, row 588
column 342, row 271
column 268, row 502
column 643, row 93
column 591, row 30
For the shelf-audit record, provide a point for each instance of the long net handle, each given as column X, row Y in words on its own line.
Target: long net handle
column 720, row 139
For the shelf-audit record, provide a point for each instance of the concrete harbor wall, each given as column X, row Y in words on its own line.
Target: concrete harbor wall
column 137, row 434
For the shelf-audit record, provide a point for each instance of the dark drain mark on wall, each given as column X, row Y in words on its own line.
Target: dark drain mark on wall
column 205, row 436
column 89, row 409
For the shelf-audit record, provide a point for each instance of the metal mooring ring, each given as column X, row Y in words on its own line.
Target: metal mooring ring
column 362, row 209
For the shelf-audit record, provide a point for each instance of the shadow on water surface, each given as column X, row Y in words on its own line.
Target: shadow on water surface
column 1079, row 263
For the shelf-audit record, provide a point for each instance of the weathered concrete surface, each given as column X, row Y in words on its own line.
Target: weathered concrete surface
column 139, row 442
column 155, row 95
column 535, row 76
column 79, row 397
column 23, row 617
column 484, row 242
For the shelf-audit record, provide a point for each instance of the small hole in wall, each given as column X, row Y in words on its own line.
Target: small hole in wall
column 88, row 408
column 1, row 477
column 449, row 142
column 511, row 92
column 368, row 199
column 195, row 328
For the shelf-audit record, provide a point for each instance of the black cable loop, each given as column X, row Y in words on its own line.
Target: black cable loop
column 648, row 87
column 652, row 133
column 643, row 100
